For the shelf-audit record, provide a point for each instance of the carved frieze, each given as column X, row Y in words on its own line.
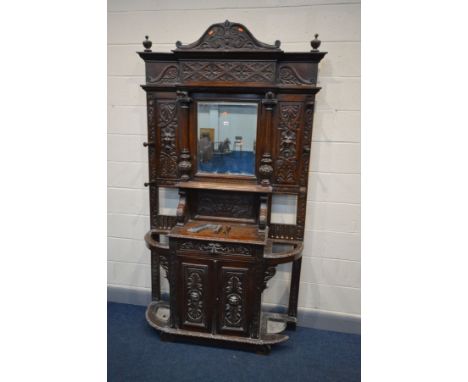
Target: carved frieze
column 167, row 124
column 214, row 247
column 242, row 71
column 286, row 161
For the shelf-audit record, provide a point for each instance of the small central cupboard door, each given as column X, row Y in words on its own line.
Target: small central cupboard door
column 234, row 286
column 196, row 293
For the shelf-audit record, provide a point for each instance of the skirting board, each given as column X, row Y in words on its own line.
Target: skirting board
column 309, row 318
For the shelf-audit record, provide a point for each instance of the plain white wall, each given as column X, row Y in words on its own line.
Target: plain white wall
column 331, row 264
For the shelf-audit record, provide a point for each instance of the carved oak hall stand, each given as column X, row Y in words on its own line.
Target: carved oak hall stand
column 229, row 127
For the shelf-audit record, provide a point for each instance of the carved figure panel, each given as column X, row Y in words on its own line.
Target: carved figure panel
column 167, row 125
column 288, row 128
column 228, row 71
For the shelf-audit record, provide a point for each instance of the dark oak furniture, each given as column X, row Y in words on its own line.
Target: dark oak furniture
column 204, row 99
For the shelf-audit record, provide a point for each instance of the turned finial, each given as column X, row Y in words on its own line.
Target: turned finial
column 147, row 44
column 315, row 43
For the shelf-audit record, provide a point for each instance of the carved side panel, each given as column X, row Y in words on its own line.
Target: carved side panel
column 233, row 305
column 195, row 295
column 309, row 116
column 167, row 127
column 228, row 71
column 287, row 142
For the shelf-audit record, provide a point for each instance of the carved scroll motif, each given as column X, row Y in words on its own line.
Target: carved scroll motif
column 233, row 290
column 167, row 123
column 289, row 75
column 169, row 75
column 286, row 162
column 228, row 36
column 268, row 275
column 228, row 71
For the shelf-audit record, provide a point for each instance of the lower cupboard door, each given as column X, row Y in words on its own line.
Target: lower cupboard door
column 195, row 294
column 234, row 289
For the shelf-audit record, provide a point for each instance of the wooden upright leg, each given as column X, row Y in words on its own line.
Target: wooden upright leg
column 155, row 277
column 294, row 292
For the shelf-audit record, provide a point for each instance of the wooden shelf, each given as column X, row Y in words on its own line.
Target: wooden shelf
column 239, row 233
column 225, row 186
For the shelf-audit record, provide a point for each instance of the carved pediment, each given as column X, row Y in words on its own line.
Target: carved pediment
column 228, row 36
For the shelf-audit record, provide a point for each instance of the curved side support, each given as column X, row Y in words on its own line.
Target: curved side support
column 285, row 256
column 152, row 241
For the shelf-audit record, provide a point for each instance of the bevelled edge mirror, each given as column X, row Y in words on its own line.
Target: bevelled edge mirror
column 226, row 137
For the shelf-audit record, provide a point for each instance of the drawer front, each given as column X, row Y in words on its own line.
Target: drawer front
column 216, row 248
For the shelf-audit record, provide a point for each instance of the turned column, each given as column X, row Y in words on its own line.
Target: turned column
column 266, row 169
column 185, row 160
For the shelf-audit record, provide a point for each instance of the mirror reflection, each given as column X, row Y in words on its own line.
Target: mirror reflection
column 227, row 137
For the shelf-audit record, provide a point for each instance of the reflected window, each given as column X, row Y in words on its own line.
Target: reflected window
column 227, row 133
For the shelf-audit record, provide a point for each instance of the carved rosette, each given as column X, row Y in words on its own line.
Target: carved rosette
column 286, row 162
column 194, row 288
column 167, row 123
column 185, row 165
column 233, row 309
